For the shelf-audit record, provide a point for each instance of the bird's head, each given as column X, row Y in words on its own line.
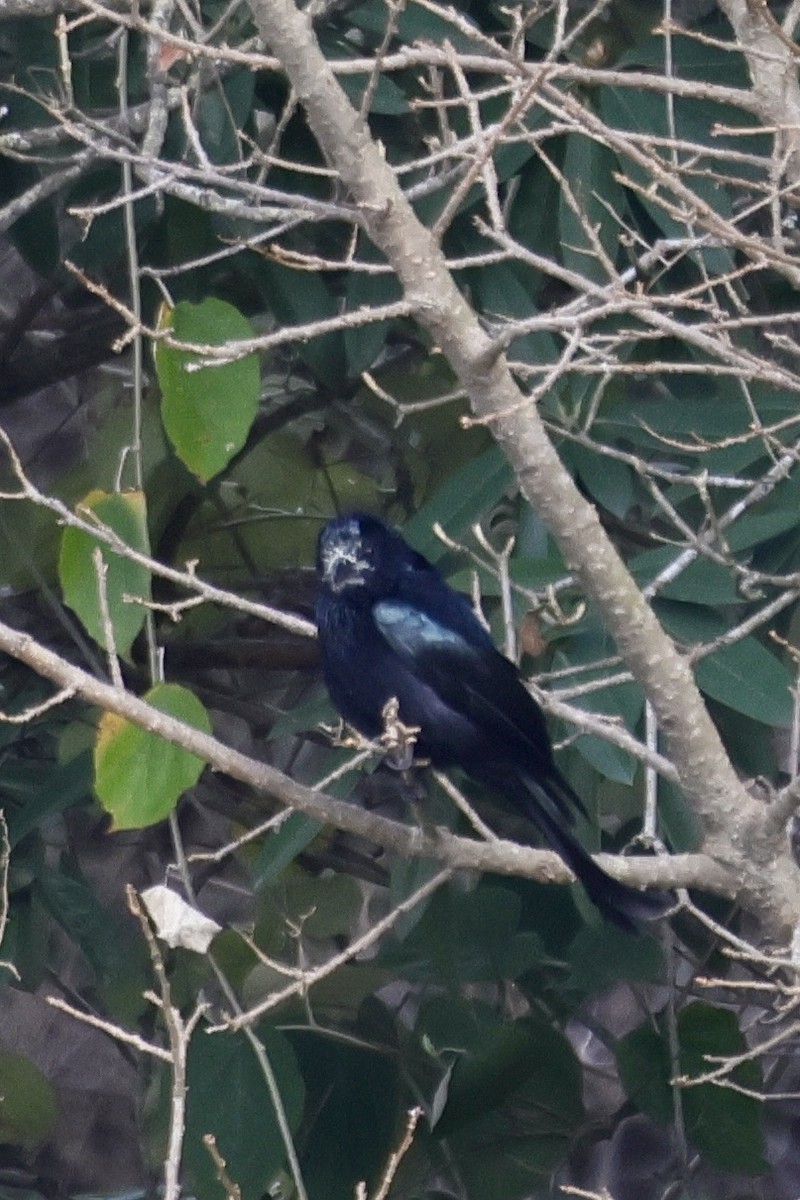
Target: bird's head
column 360, row 556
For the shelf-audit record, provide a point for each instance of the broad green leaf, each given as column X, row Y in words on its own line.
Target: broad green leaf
column 750, row 680
column 353, row 1102
column 528, row 1051
column 723, row 1124
column 415, row 23
column 777, row 515
column 283, row 846
column 125, row 513
column 428, row 442
column 501, row 293
column 363, row 345
column 535, row 212
column 36, row 233
column 271, row 510
column 105, row 236
column 207, row 411
column 408, row 875
column 323, row 905
column 465, row 938
column 32, row 790
column 678, row 819
column 644, row 1067
column 460, row 501
column 745, row 676
column 139, row 777
column 703, row 581
column 28, row 1106
column 602, row 955
column 229, row 1098
column 689, row 624
column 645, row 113
column 684, row 419
column 386, row 97
column 109, row 943
column 297, row 297
column 610, row 482
column 623, row 702
column 589, row 173
column 221, row 112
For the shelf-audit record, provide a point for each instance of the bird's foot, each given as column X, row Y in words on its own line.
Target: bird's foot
column 344, row 735
column 398, row 740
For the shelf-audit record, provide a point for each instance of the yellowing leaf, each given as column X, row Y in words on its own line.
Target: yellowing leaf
column 126, row 514
column 139, row 777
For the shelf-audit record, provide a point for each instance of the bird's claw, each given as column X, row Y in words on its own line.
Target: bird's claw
column 344, row 735
column 398, row 740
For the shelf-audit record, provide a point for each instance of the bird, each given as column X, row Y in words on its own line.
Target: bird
column 393, row 632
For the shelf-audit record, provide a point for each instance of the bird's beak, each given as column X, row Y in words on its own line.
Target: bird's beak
column 344, row 571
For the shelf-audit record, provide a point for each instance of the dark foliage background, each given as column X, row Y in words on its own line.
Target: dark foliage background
column 625, row 225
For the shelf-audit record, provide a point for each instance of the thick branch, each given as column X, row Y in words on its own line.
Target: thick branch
column 732, row 821
column 505, row 858
column 773, row 68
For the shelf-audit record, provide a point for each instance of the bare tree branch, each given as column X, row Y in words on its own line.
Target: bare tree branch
column 732, row 821
column 502, row 857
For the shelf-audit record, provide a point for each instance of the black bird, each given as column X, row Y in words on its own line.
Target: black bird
column 390, row 627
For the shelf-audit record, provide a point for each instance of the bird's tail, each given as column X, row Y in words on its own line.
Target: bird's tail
column 547, row 806
column 626, row 906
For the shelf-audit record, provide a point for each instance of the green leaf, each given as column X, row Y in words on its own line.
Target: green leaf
column 602, row 955
column 33, row 791
column 270, row 511
column 703, row 581
column 139, row 777
column 353, row 1098
column 589, row 172
column 207, row 411
column 723, row 1124
column 745, row 676
column 535, row 212
column 364, row 344
column 775, row 516
column 29, row 1109
column 125, row 513
column 465, row 938
column 228, row 1097
column 221, row 112
column 460, row 501
column 528, row 1051
column 645, row 113
column 501, row 293
column 408, row 876
column 678, row 819
column 283, row 846
column 750, row 680
column 385, row 95
column 644, row 1067
column 36, row 235
column 107, row 940
column 623, row 702
column 416, row 23
column 610, row 482
column 297, row 297
column 324, row 906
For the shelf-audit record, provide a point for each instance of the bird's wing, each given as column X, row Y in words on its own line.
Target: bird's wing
column 476, row 681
